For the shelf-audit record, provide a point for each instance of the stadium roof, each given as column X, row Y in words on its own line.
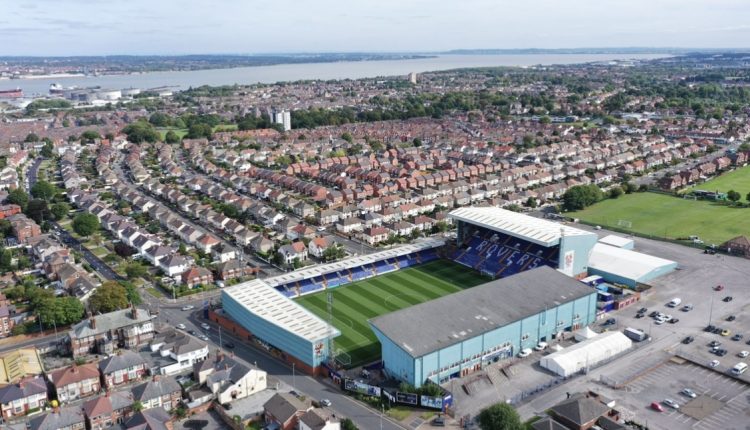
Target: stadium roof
column 322, row 269
column 536, row 230
column 618, row 241
column 625, row 263
column 266, row 302
column 439, row 323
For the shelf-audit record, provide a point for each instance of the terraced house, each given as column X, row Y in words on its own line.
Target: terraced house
column 103, row 334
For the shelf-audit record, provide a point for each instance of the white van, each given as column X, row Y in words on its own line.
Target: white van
column 675, row 302
column 739, row 368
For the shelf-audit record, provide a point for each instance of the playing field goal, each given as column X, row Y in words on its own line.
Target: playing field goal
column 624, row 223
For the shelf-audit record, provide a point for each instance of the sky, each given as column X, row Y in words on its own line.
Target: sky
column 176, row 27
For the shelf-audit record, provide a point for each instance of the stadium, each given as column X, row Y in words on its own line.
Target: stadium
column 427, row 311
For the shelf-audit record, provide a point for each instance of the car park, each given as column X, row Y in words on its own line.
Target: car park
column 688, row 393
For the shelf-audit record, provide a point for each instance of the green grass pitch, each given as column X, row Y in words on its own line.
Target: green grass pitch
column 355, row 303
column 670, row 217
column 738, row 180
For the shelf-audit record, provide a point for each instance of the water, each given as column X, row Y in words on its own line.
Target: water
column 313, row 71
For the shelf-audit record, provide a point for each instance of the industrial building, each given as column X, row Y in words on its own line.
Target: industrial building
column 463, row 332
column 626, row 267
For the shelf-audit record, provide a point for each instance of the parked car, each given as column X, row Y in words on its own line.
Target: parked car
column 713, row 363
column 737, row 337
column 638, row 316
column 188, row 308
column 687, row 308
column 671, row 403
column 731, row 318
column 325, row 402
column 642, row 310
column 674, row 320
column 205, row 326
column 192, row 332
column 438, row 422
column 714, row 343
column 657, row 407
column 541, row 346
column 709, row 328
column 229, row 345
column 653, row 314
column 688, row 339
column 727, row 299
column 689, row 393
column 718, row 288
column 181, row 326
column 525, row 352
column 743, row 354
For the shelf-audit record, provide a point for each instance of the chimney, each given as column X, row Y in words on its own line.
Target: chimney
column 92, row 323
column 135, row 312
column 155, row 378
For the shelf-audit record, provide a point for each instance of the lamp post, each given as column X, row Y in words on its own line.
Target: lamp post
column 711, row 310
column 294, row 385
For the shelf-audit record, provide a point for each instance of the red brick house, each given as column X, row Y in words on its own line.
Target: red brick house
column 75, row 382
column 122, row 368
column 197, row 275
column 285, row 410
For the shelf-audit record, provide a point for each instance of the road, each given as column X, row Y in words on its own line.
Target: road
column 95, row 262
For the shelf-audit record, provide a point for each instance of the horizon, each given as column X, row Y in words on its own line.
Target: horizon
column 236, row 27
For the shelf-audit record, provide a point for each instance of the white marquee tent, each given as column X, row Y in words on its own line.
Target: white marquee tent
column 586, row 354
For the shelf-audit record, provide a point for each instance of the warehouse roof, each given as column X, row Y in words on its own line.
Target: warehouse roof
column 451, row 319
column 267, row 303
column 536, row 230
column 625, row 263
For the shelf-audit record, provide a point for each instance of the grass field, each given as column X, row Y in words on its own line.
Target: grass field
column 670, row 217
column 355, row 303
column 738, row 180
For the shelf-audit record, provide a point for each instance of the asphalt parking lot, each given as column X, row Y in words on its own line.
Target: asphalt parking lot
column 721, row 403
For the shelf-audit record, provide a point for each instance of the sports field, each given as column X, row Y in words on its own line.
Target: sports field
column 670, row 217
column 355, row 303
column 738, row 180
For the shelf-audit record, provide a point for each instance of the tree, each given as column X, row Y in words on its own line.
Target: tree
column 135, row 270
column 110, row 297
column 348, row 424
column 89, row 136
column 47, row 150
column 171, row 137
column 581, row 196
column 137, row 406
column 141, row 131
column 182, row 249
column 500, row 416
column 31, row 137
column 333, row 252
column 59, row 311
column 347, row 137
column 615, row 192
column 531, row 202
column 43, row 190
column 629, row 187
column 733, row 196
column 38, row 211
column 18, row 197
column 131, row 292
column 747, row 197
column 60, row 210
column 85, row 224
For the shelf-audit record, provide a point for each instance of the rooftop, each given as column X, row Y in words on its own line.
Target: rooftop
column 111, row 321
column 266, row 302
column 536, row 230
column 472, row 312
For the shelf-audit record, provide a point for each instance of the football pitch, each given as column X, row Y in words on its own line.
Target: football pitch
column 355, row 303
column 669, row 217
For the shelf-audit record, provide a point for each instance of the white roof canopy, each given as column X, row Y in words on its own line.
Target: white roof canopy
column 625, row 263
column 536, row 230
column 586, row 354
